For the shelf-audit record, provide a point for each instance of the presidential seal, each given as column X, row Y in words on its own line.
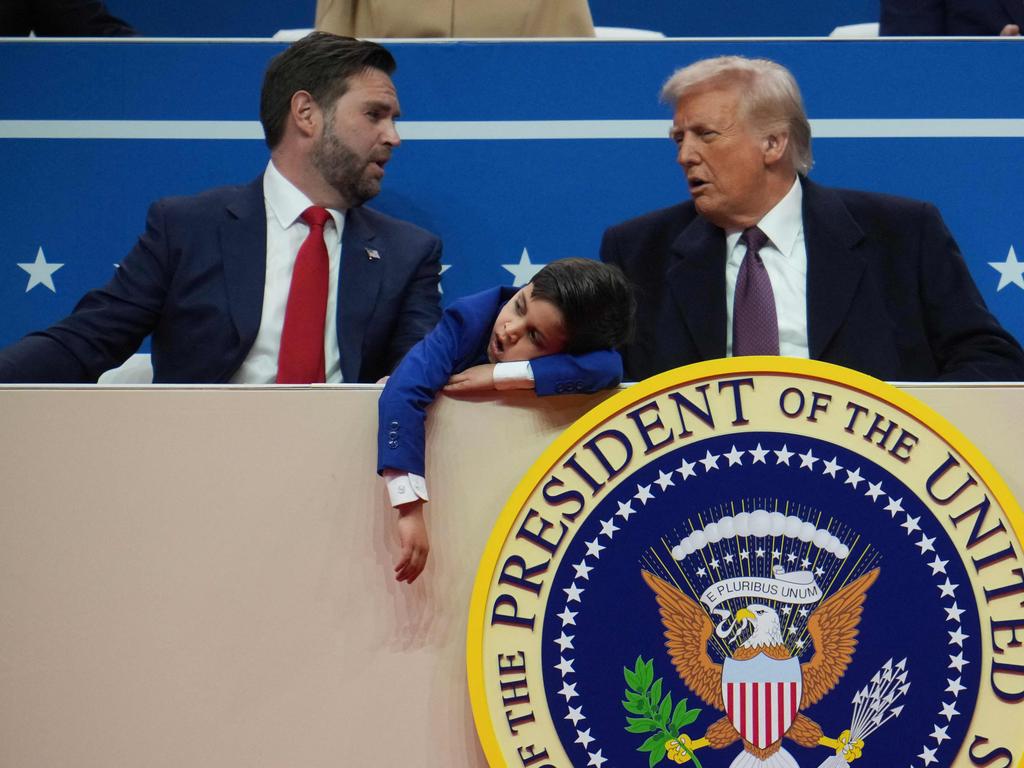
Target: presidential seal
column 753, row 563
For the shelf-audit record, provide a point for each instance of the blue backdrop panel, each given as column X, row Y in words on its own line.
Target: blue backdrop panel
column 82, row 200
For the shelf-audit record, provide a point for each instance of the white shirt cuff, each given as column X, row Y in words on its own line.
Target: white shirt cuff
column 516, row 375
column 404, row 487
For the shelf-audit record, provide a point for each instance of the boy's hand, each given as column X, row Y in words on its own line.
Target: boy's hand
column 479, row 378
column 412, row 534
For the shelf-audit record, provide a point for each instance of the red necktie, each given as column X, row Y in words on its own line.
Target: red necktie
column 301, row 358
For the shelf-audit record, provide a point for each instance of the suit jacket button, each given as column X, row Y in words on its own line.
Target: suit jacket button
column 392, row 443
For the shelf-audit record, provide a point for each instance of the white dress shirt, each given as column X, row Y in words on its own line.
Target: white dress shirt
column 286, row 232
column 785, row 259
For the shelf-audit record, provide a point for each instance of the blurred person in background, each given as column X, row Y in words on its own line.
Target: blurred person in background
column 455, row 18
column 60, row 18
column 952, row 17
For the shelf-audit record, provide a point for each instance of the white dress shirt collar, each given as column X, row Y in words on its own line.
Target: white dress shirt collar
column 783, row 224
column 285, row 202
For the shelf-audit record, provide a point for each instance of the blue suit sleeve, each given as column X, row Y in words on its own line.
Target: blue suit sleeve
column 589, row 372
column 401, row 410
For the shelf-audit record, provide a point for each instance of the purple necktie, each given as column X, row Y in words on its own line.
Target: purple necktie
column 755, row 327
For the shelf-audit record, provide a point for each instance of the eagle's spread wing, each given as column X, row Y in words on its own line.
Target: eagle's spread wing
column 833, row 628
column 687, row 630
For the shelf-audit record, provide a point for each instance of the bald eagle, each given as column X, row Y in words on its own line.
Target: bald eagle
column 762, row 669
column 767, row 635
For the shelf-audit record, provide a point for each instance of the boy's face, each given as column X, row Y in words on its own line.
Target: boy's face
column 526, row 328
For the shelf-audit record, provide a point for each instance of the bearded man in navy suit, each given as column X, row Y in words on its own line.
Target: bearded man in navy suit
column 867, row 281
column 210, row 277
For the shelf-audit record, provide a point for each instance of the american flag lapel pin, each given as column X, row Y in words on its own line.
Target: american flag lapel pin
column 372, row 254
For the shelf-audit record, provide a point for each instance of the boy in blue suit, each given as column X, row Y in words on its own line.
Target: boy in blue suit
column 556, row 335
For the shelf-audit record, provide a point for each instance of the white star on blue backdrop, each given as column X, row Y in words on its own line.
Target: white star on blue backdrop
column 444, row 268
column 1010, row 271
column 40, row 272
column 524, row 271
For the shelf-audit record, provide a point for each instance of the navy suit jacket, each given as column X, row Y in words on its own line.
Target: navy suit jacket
column 456, row 343
column 888, row 292
column 195, row 281
column 949, row 17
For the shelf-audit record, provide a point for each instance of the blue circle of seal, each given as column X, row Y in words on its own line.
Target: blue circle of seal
column 919, row 625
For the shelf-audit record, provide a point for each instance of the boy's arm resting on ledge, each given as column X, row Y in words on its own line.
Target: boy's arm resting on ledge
column 589, row 372
column 478, row 378
column 400, row 432
column 491, row 376
column 409, row 390
column 549, row 375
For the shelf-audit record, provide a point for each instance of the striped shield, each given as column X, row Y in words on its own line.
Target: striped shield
column 762, row 696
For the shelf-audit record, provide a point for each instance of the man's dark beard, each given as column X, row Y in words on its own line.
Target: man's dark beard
column 342, row 168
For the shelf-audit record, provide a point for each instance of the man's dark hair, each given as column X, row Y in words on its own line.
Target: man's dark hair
column 596, row 301
column 320, row 63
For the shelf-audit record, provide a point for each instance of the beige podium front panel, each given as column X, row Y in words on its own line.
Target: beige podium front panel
column 202, row 576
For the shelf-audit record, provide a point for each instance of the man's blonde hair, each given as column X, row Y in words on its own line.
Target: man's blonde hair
column 769, row 97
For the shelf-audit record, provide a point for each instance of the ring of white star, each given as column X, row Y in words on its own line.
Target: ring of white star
column 759, row 455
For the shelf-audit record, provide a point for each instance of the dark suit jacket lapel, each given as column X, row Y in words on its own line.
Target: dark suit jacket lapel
column 243, row 241
column 696, row 283
column 359, row 279
column 834, row 264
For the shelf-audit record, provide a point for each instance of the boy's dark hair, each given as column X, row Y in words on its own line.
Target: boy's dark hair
column 320, row 63
column 596, row 301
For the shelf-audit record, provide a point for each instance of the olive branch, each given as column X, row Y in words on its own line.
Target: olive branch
column 656, row 715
